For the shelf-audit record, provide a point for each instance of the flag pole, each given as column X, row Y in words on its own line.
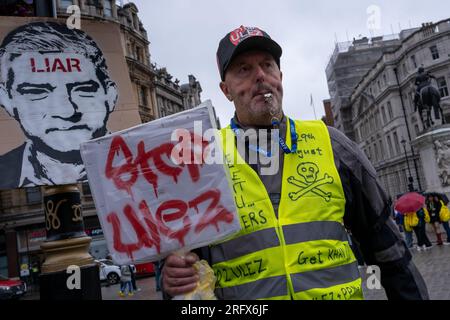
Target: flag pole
column 314, row 108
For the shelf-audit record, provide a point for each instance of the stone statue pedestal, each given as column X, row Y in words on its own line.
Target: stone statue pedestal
column 433, row 147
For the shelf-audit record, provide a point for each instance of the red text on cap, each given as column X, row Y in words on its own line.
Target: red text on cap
column 243, row 33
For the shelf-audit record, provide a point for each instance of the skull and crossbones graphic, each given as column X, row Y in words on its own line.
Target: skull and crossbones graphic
column 308, row 182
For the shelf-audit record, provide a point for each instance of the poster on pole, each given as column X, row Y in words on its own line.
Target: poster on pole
column 59, row 87
column 161, row 187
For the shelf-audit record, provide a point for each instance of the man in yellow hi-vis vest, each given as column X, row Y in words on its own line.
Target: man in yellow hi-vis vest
column 293, row 243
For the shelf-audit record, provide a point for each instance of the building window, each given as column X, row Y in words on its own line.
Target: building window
column 138, row 53
column 380, row 143
column 107, row 8
column 414, row 62
column 405, row 70
column 65, row 3
column 95, row 3
column 391, row 150
column 142, row 96
column 133, row 51
column 412, row 96
column 391, row 114
column 383, row 112
column 377, row 120
column 376, row 153
column 397, row 182
column 442, row 85
column 396, row 142
column 34, row 195
column 434, row 52
column 384, row 79
column 144, row 56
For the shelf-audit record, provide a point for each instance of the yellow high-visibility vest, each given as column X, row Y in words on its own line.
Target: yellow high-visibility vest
column 303, row 253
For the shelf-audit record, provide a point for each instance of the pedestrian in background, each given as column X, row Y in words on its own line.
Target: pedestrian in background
column 133, row 277
column 444, row 217
column 447, row 230
column 434, row 208
column 25, row 273
column 125, row 281
column 407, row 231
column 423, row 242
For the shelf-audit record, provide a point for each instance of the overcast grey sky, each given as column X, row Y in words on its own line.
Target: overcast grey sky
column 184, row 35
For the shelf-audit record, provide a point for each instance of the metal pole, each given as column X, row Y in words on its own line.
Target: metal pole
column 407, row 128
column 410, row 179
column 55, row 15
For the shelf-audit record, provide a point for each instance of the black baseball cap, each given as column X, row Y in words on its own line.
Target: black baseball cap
column 241, row 40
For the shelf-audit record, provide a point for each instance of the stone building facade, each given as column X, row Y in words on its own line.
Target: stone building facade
column 349, row 62
column 383, row 117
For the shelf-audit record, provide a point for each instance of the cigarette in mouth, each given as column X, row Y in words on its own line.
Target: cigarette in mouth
column 268, row 97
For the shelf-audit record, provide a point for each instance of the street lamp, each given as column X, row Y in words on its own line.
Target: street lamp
column 407, row 128
column 410, row 178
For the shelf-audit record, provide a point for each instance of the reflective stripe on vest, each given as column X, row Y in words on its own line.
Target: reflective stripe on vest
column 267, row 238
column 259, row 289
column 304, row 252
column 316, row 230
column 325, row 278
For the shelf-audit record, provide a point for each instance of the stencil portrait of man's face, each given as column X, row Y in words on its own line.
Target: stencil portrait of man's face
column 56, row 86
column 58, row 99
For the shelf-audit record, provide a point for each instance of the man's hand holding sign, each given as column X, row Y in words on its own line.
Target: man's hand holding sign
column 157, row 189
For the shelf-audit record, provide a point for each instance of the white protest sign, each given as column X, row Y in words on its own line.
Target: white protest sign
column 150, row 202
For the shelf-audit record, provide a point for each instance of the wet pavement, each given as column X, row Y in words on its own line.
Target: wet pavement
column 146, row 290
column 434, row 265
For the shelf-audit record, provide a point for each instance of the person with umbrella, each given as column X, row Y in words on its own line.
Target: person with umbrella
column 405, row 229
column 412, row 205
column 423, row 243
column 434, row 208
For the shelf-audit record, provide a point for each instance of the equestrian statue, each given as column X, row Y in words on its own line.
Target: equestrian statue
column 427, row 97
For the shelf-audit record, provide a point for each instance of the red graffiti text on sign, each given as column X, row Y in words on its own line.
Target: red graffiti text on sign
column 126, row 174
column 148, row 231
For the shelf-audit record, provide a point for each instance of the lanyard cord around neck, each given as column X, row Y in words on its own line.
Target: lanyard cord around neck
column 281, row 141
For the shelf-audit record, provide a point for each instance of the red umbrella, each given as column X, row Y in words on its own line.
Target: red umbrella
column 409, row 202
